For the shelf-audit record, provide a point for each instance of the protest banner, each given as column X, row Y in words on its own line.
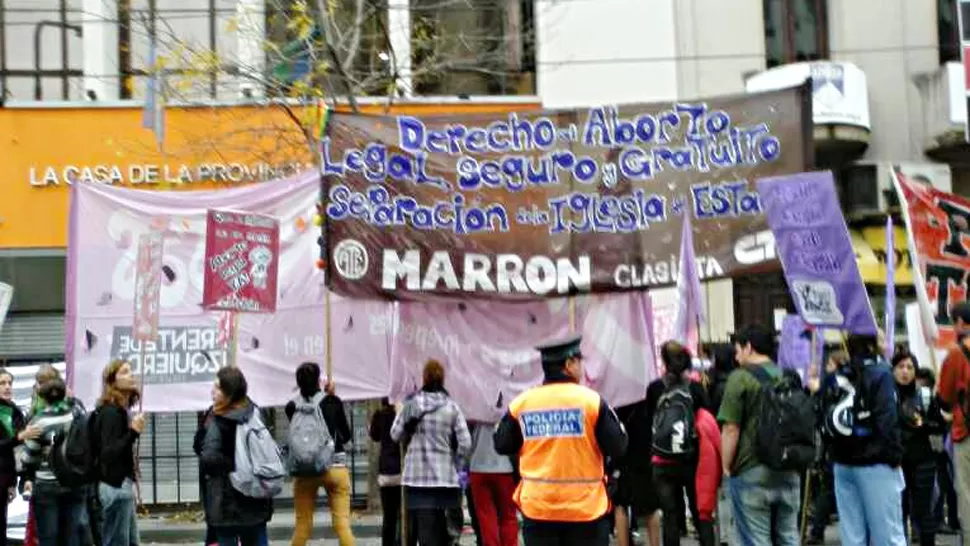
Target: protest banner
column 371, row 343
column 106, row 223
column 148, row 286
column 241, row 262
column 937, row 229
column 545, row 204
column 816, row 251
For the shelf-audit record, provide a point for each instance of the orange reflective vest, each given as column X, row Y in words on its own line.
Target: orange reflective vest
column 560, row 462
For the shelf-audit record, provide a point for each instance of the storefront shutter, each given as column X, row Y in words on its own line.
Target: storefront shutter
column 32, row 337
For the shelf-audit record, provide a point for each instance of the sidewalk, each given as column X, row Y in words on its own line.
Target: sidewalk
column 164, row 528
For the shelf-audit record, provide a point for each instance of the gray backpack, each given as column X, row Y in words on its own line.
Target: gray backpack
column 311, row 447
column 259, row 469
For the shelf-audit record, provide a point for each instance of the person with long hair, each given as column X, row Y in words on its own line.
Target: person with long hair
column 435, row 434
column 920, row 419
column 335, row 479
column 237, row 519
column 117, row 432
column 698, row 474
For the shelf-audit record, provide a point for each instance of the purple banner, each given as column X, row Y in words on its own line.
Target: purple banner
column 795, row 347
column 816, row 253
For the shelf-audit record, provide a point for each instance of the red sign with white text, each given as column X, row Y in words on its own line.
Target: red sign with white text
column 940, row 224
column 241, row 262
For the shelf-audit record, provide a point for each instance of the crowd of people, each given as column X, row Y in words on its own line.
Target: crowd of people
column 739, row 445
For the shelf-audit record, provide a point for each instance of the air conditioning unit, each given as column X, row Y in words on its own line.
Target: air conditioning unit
column 866, row 188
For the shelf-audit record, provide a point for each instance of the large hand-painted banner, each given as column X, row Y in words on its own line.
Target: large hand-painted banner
column 525, row 206
column 938, row 229
column 178, row 368
column 487, row 348
column 490, row 351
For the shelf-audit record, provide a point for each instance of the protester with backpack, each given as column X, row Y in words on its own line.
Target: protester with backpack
column 58, row 507
column 685, row 448
column 317, row 457
column 117, row 430
column 238, row 493
column 767, row 441
column 863, row 431
column 434, row 432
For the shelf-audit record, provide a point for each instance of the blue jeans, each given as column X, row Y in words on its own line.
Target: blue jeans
column 765, row 505
column 119, row 523
column 58, row 514
column 869, row 500
column 243, row 536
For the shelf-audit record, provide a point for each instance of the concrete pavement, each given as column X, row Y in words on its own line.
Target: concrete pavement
column 163, row 531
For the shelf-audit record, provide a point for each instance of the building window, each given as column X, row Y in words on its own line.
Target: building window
column 948, row 31
column 298, row 57
column 476, row 47
column 795, row 31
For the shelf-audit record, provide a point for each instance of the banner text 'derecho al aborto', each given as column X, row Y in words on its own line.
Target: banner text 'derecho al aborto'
column 523, row 206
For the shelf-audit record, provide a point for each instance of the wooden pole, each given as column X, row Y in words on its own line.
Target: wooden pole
column 572, row 314
column 234, row 340
column 808, row 473
column 328, row 332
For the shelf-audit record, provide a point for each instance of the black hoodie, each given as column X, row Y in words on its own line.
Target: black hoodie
column 916, row 439
column 876, row 438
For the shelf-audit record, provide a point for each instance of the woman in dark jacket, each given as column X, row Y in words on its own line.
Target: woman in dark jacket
column 13, row 432
column 118, row 430
column 388, row 471
column 920, row 419
column 210, row 533
column 234, row 516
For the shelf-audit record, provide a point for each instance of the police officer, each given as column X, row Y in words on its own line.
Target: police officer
column 561, row 432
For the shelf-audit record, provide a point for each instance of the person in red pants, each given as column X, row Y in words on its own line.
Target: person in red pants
column 492, row 478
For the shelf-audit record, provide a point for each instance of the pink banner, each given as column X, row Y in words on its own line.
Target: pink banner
column 179, row 366
column 487, row 348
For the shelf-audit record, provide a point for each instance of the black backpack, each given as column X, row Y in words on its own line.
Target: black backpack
column 73, row 455
column 785, row 439
column 674, row 435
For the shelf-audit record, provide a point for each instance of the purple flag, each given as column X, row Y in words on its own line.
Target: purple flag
column 795, row 346
column 815, row 250
column 689, row 313
column 890, row 288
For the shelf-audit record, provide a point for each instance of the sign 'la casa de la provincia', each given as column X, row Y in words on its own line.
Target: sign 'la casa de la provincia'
column 150, row 173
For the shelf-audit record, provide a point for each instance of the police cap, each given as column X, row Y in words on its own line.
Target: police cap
column 559, row 351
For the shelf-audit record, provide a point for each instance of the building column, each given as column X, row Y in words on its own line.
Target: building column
column 100, row 39
column 399, row 31
column 250, row 56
